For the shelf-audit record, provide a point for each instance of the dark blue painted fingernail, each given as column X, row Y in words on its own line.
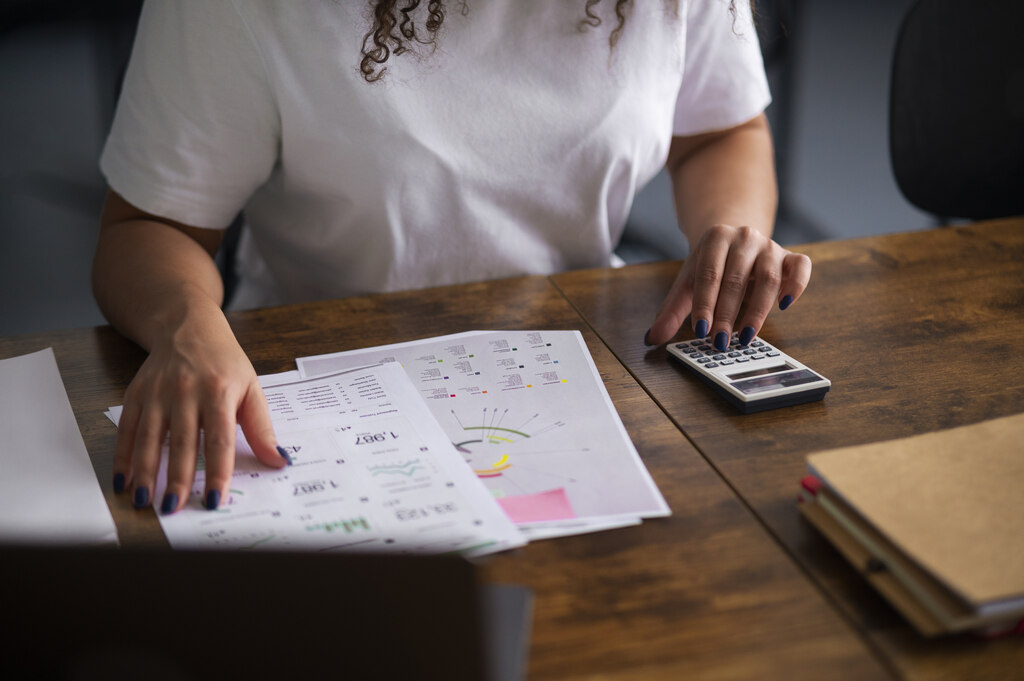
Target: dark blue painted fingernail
column 785, row 302
column 647, row 337
column 701, row 329
column 212, row 500
column 721, row 340
column 118, row 483
column 141, row 497
column 747, row 335
column 170, row 504
column 284, row 454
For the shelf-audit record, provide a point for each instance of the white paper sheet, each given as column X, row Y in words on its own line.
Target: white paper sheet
column 372, row 471
column 48, row 488
column 530, row 415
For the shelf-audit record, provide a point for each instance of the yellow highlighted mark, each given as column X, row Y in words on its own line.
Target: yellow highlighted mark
column 492, row 471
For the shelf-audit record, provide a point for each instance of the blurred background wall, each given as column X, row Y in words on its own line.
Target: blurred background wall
column 61, row 62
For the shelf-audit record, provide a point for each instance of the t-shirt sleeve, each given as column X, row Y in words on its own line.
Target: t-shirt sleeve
column 197, row 128
column 724, row 82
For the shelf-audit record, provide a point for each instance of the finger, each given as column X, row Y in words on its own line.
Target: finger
column 254, row 418
column 181, row 458
column 219, row 452
column 149, row 440
column 733, row 287
column 126, row 428
column 674, row 310
column 796, row 274
column 707, row 276
column 763, row 292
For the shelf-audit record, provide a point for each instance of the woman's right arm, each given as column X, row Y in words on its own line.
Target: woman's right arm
column 157, row 283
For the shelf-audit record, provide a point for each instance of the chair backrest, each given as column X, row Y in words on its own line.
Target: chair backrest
column 956, row 117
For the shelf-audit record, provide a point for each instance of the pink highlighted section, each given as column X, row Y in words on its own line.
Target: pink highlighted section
column 532, row 508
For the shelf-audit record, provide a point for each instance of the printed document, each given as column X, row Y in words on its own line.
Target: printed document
column 530, row 416
column 372, row 471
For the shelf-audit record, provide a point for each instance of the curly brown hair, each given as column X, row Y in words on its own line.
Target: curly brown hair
column 391, row 35
column 394, row 29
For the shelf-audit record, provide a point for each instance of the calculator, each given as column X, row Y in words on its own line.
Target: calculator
column 754, row 377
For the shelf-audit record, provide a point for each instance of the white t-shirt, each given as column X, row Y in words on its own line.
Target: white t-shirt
column 514, row 147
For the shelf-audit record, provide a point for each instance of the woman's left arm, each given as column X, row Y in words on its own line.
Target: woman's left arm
column 726, row 196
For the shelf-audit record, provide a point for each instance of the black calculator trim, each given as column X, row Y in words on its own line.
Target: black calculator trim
column 755, row 406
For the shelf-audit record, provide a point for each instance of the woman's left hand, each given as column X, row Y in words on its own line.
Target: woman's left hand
column 731, row 280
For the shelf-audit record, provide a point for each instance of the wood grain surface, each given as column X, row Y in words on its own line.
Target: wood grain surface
column 918, row 332
column 706, row 593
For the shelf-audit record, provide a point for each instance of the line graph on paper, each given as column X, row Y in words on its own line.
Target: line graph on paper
column 406, row 468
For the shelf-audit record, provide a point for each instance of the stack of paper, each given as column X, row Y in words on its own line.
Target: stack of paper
column 935, row 522
column 474, row 443
column 529, row 413
column 48, row 490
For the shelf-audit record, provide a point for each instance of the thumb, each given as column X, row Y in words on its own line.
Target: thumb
column 673, row 312
column 254, row 418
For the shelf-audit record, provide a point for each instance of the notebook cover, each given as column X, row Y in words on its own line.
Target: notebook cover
column 952, row 501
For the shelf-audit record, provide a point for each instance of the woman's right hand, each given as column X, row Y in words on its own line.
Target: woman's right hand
column 197, row 380
column 156, row 281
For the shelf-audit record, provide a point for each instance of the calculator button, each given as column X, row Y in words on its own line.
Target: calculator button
column 726, row 362
column 696, row 343
column 742, row 359
column 734, row 354
column 757, row 357
column 718, row 356
column 773, row 353
column 710, row 365
column 703, row 360
column 757, row 343
column 750, row 351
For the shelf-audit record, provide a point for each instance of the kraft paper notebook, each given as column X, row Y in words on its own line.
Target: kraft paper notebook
column 936, row 521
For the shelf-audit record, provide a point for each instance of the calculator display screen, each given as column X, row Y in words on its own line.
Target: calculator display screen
column 778, row 379
column 761, row 372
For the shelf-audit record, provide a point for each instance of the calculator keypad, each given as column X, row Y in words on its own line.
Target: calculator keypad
column 703, row 354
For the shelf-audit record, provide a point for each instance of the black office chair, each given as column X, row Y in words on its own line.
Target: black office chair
column 956, row 118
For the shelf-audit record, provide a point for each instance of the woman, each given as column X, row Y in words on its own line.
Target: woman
column 377, row 148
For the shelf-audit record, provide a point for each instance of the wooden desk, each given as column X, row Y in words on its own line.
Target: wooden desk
column 713, row 591
column 705, row 593
column 917, row 332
